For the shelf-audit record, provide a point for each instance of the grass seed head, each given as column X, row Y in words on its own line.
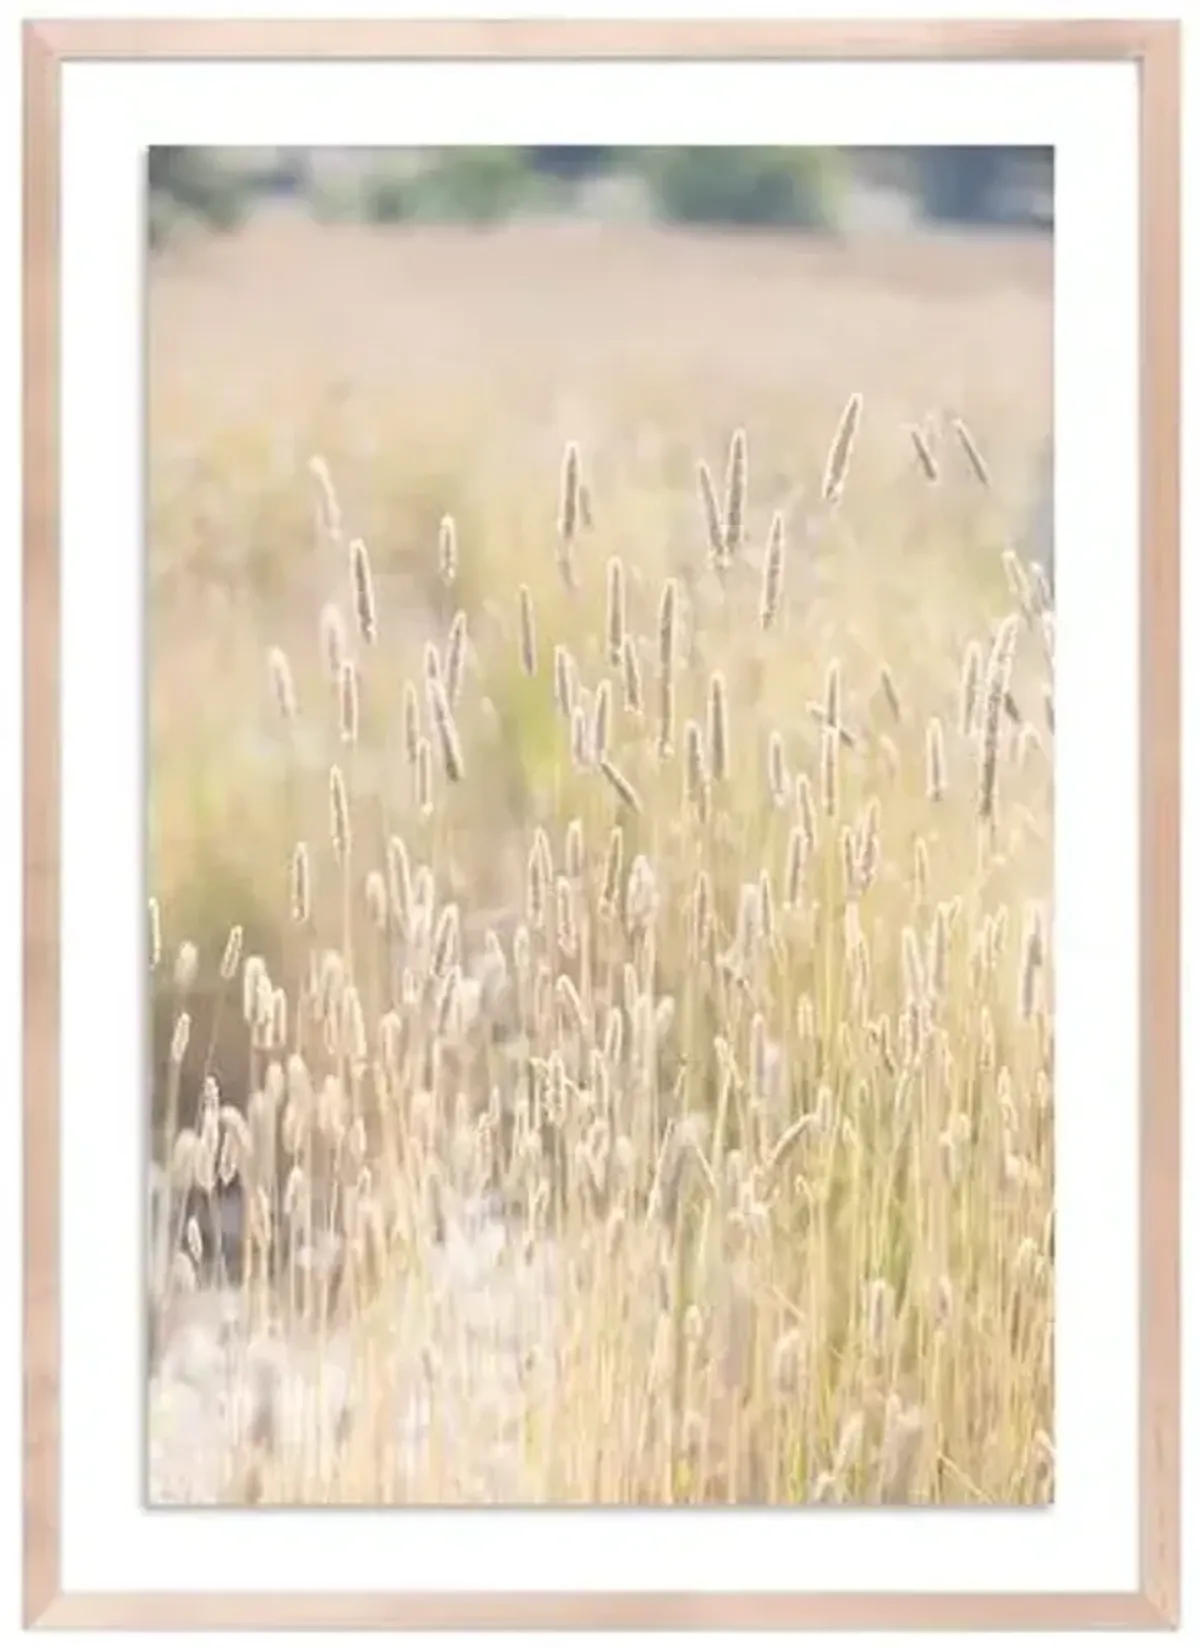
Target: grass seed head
column 736, row 487
column 714, row 529
column 363, row 590
column 527, row 631
column 837, row 465
column 614, row 623
column 624, row 790
column 971, row 452
column 187, row 963
column 447, row 550
column 935, row 761
column 772, row 581
column 232, row 956
column 830, row 745
column 300, row 885
column 718, row 728
column 923, row 453
column 456, row 657
column 601, row 720
column 348, row 702
column 339, row 815
column 179, row 1038
column 446, row 732
column 613, row 862
column 283, row 688
column 631, row 676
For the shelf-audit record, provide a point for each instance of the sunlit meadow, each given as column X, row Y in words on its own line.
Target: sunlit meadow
column 601, row 741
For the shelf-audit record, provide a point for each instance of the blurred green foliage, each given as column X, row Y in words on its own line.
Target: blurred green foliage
column 787, row 188
column 796, row 188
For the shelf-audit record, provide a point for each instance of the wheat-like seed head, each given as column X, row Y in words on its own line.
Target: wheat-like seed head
column 445, row 731
column 569, row 514
column 806, row 812
column 376, row 898
column 850, row 880
column 329, row 513
column 253, row 973
column 971, row 452
column 363, row 589
column 995, row 689
column 333, row 641
column 535, row 890
column 613, row 861
column 410, row 723
column 179, row 1038
column 830, row 744
column 527, row 631
column 1019, row 583
column 564, row 910
column 837, row 464
column 666, row 665
column 581, row 744
column 568, row 507
column 352, row 1043
column 695, row 778
column 935, row 760
column 300, row 889
column 718, row 728
column 447, row 550
column 339, row 815
column 573, row 849
column 714, row 528
column 968, row 695
column 777, row 779
column 794, row 862
column 348, row 703
column 924, row 454
column 867, row 851
column 888, row 684
column 279, row 1017
column 624, row 790
column 766, row 908
column 446, row 939
column 772, row 581
column 1033, row 956
column 187, row 962
column 154, row 936
column 736, row 488
column 614, row 618
column 564, row 681
column 601, row 720
column 631, row 676
column 231, row 958
column 282, row 685
column 400, row 888
column 456, row 656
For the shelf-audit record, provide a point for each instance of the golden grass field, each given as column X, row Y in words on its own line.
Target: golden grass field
column 706, row 929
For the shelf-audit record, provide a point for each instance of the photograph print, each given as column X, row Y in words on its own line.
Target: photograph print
column 600, row 706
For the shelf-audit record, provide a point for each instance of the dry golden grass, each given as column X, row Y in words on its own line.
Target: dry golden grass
column 582, row 750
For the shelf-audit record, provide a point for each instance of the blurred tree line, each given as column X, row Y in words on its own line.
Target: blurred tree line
column 799, row 188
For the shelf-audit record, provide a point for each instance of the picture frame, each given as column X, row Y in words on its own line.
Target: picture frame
column 1153, row 47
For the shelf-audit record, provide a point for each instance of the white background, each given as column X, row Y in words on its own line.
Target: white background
column 121, row 828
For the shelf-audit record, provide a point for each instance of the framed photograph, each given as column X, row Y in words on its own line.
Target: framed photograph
column 601, row 933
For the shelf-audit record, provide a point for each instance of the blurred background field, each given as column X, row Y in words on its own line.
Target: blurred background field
column 436, row 328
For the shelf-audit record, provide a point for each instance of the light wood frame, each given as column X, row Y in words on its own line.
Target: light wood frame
column 1154, row 46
